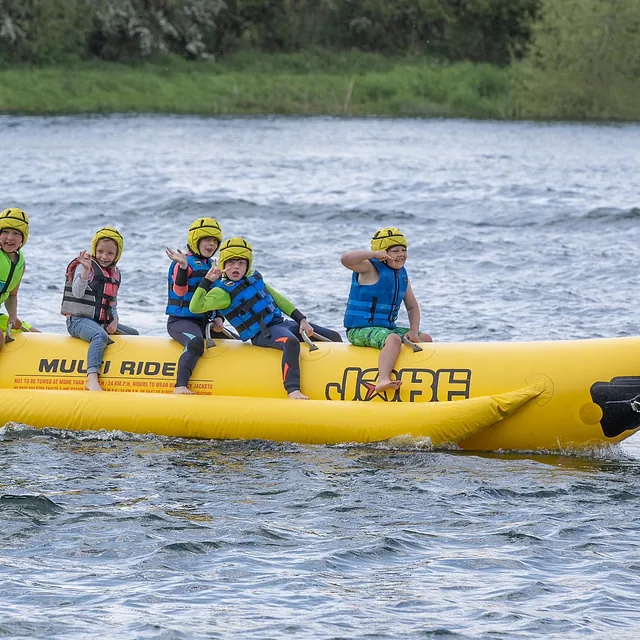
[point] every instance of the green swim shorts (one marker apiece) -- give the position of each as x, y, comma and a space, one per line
372, 336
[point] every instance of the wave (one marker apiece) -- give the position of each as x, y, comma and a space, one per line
611, 214
32, 506
593, 217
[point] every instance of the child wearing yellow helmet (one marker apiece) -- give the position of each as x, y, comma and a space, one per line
90, 300
255, 309
185, 272
379, 285
14, 231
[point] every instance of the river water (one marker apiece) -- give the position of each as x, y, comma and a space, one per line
517, 231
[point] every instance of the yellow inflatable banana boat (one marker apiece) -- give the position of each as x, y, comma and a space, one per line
563, 395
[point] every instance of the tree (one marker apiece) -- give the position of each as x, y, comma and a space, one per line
584, 61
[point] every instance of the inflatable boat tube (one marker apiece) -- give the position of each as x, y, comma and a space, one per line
587, 392
232, 417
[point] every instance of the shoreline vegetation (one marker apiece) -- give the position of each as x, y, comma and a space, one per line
522, 59
354, 84
331, 84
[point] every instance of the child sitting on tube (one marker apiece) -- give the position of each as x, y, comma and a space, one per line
185, 273
379, 285
14, 231
255, 310
90, 299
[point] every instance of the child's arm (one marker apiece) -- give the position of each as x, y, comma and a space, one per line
207, 299
80, 282
112, 327
360, 261
82, 275
11, 305
283, 304
180, 279
413, 311
181, 272
289, 309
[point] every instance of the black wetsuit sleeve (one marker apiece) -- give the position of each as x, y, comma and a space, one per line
297, 316
205, 284
182, 277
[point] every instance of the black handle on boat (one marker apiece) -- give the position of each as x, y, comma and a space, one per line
413, 345
210, 342
319, 338
7, 337
229, 334
305, 337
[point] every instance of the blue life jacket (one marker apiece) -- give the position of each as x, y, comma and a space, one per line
179, 305
252, 307
376, 305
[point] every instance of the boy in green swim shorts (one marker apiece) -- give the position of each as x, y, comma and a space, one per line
379, 285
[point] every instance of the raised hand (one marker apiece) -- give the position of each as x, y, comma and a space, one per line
215, 272
178, 256
383, 256
84, 258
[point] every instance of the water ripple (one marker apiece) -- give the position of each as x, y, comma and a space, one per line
517, 231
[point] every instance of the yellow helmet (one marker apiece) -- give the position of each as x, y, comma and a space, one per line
108, 233
203, 228
17, 220
236, 248
386, 238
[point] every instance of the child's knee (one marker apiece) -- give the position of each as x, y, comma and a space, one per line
393, 340
291, 343
425, 337
101, 338
196, 346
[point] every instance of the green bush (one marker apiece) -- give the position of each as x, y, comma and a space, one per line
50, 31
53, 31
132, 29
584, 62
44, 31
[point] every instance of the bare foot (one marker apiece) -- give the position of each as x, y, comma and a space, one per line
184, 390
92, 383
297, 395
388, 385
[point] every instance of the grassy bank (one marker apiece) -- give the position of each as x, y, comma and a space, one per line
247, 84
